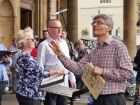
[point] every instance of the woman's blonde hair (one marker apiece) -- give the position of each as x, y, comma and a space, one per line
23, 35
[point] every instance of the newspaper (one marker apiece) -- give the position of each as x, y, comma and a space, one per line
60, 90
93, 83
52, 80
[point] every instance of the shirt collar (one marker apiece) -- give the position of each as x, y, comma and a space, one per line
50, 38
107, 41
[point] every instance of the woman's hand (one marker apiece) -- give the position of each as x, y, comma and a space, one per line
7, 58
60, 72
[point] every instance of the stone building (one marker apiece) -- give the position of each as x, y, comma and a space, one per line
123, 13
18, 14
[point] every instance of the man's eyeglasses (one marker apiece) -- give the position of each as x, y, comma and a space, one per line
57, 28
98, 23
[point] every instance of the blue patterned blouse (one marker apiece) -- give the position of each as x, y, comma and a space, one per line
30, 76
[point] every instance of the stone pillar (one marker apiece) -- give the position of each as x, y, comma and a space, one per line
16, 5
72, 19
130, 26
62, 4
37, 17
53, 8
40, 16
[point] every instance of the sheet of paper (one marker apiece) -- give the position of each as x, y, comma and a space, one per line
60, 90
93, 83
52, 80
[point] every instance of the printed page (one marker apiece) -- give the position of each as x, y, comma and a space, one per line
52, 80
93, 83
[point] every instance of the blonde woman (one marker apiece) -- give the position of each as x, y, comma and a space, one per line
30, 73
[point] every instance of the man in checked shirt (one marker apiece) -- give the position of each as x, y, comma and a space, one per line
110, 59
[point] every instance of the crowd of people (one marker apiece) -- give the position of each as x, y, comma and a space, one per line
54, 54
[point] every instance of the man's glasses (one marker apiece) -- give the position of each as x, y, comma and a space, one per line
57, 28
98, 23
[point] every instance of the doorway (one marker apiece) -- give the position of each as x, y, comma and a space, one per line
26, 18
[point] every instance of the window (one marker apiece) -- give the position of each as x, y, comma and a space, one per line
105, 1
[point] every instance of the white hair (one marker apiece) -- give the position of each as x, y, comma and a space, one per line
23, 35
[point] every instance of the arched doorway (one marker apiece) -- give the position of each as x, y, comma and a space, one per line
6, 22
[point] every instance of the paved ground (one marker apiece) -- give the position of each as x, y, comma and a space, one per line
10, 99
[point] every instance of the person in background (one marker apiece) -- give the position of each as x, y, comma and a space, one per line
49, 61
45, 35
34, 51
5, 62
110, 59
13, 48
137, 94
79, 47
72, 51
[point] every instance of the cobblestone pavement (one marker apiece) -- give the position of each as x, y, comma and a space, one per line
10, 99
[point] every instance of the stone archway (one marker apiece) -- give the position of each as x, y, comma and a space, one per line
6, 22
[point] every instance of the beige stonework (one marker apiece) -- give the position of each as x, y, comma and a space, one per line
72, 19
40, 16
130, 26
6, 21
41, 11
10, 17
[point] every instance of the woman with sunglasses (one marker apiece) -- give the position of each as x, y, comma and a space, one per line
30, 73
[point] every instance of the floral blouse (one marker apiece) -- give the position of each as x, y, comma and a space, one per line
30, 76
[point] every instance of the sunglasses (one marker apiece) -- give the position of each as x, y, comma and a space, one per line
31, 40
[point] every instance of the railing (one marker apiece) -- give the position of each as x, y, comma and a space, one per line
88, 43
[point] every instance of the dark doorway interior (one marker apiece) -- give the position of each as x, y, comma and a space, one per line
26, 18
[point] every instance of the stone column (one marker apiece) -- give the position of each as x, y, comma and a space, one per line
72, 19
53, 8
130, 26
37, 17
40, 16
16, 5
62, 4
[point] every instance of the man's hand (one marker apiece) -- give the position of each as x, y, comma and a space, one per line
56, 48
97, 71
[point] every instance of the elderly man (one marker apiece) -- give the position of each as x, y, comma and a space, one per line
110, 59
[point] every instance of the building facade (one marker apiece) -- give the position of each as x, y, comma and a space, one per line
18, 14
122, 12
87, 10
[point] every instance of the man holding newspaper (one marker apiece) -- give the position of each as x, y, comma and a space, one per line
110, 59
